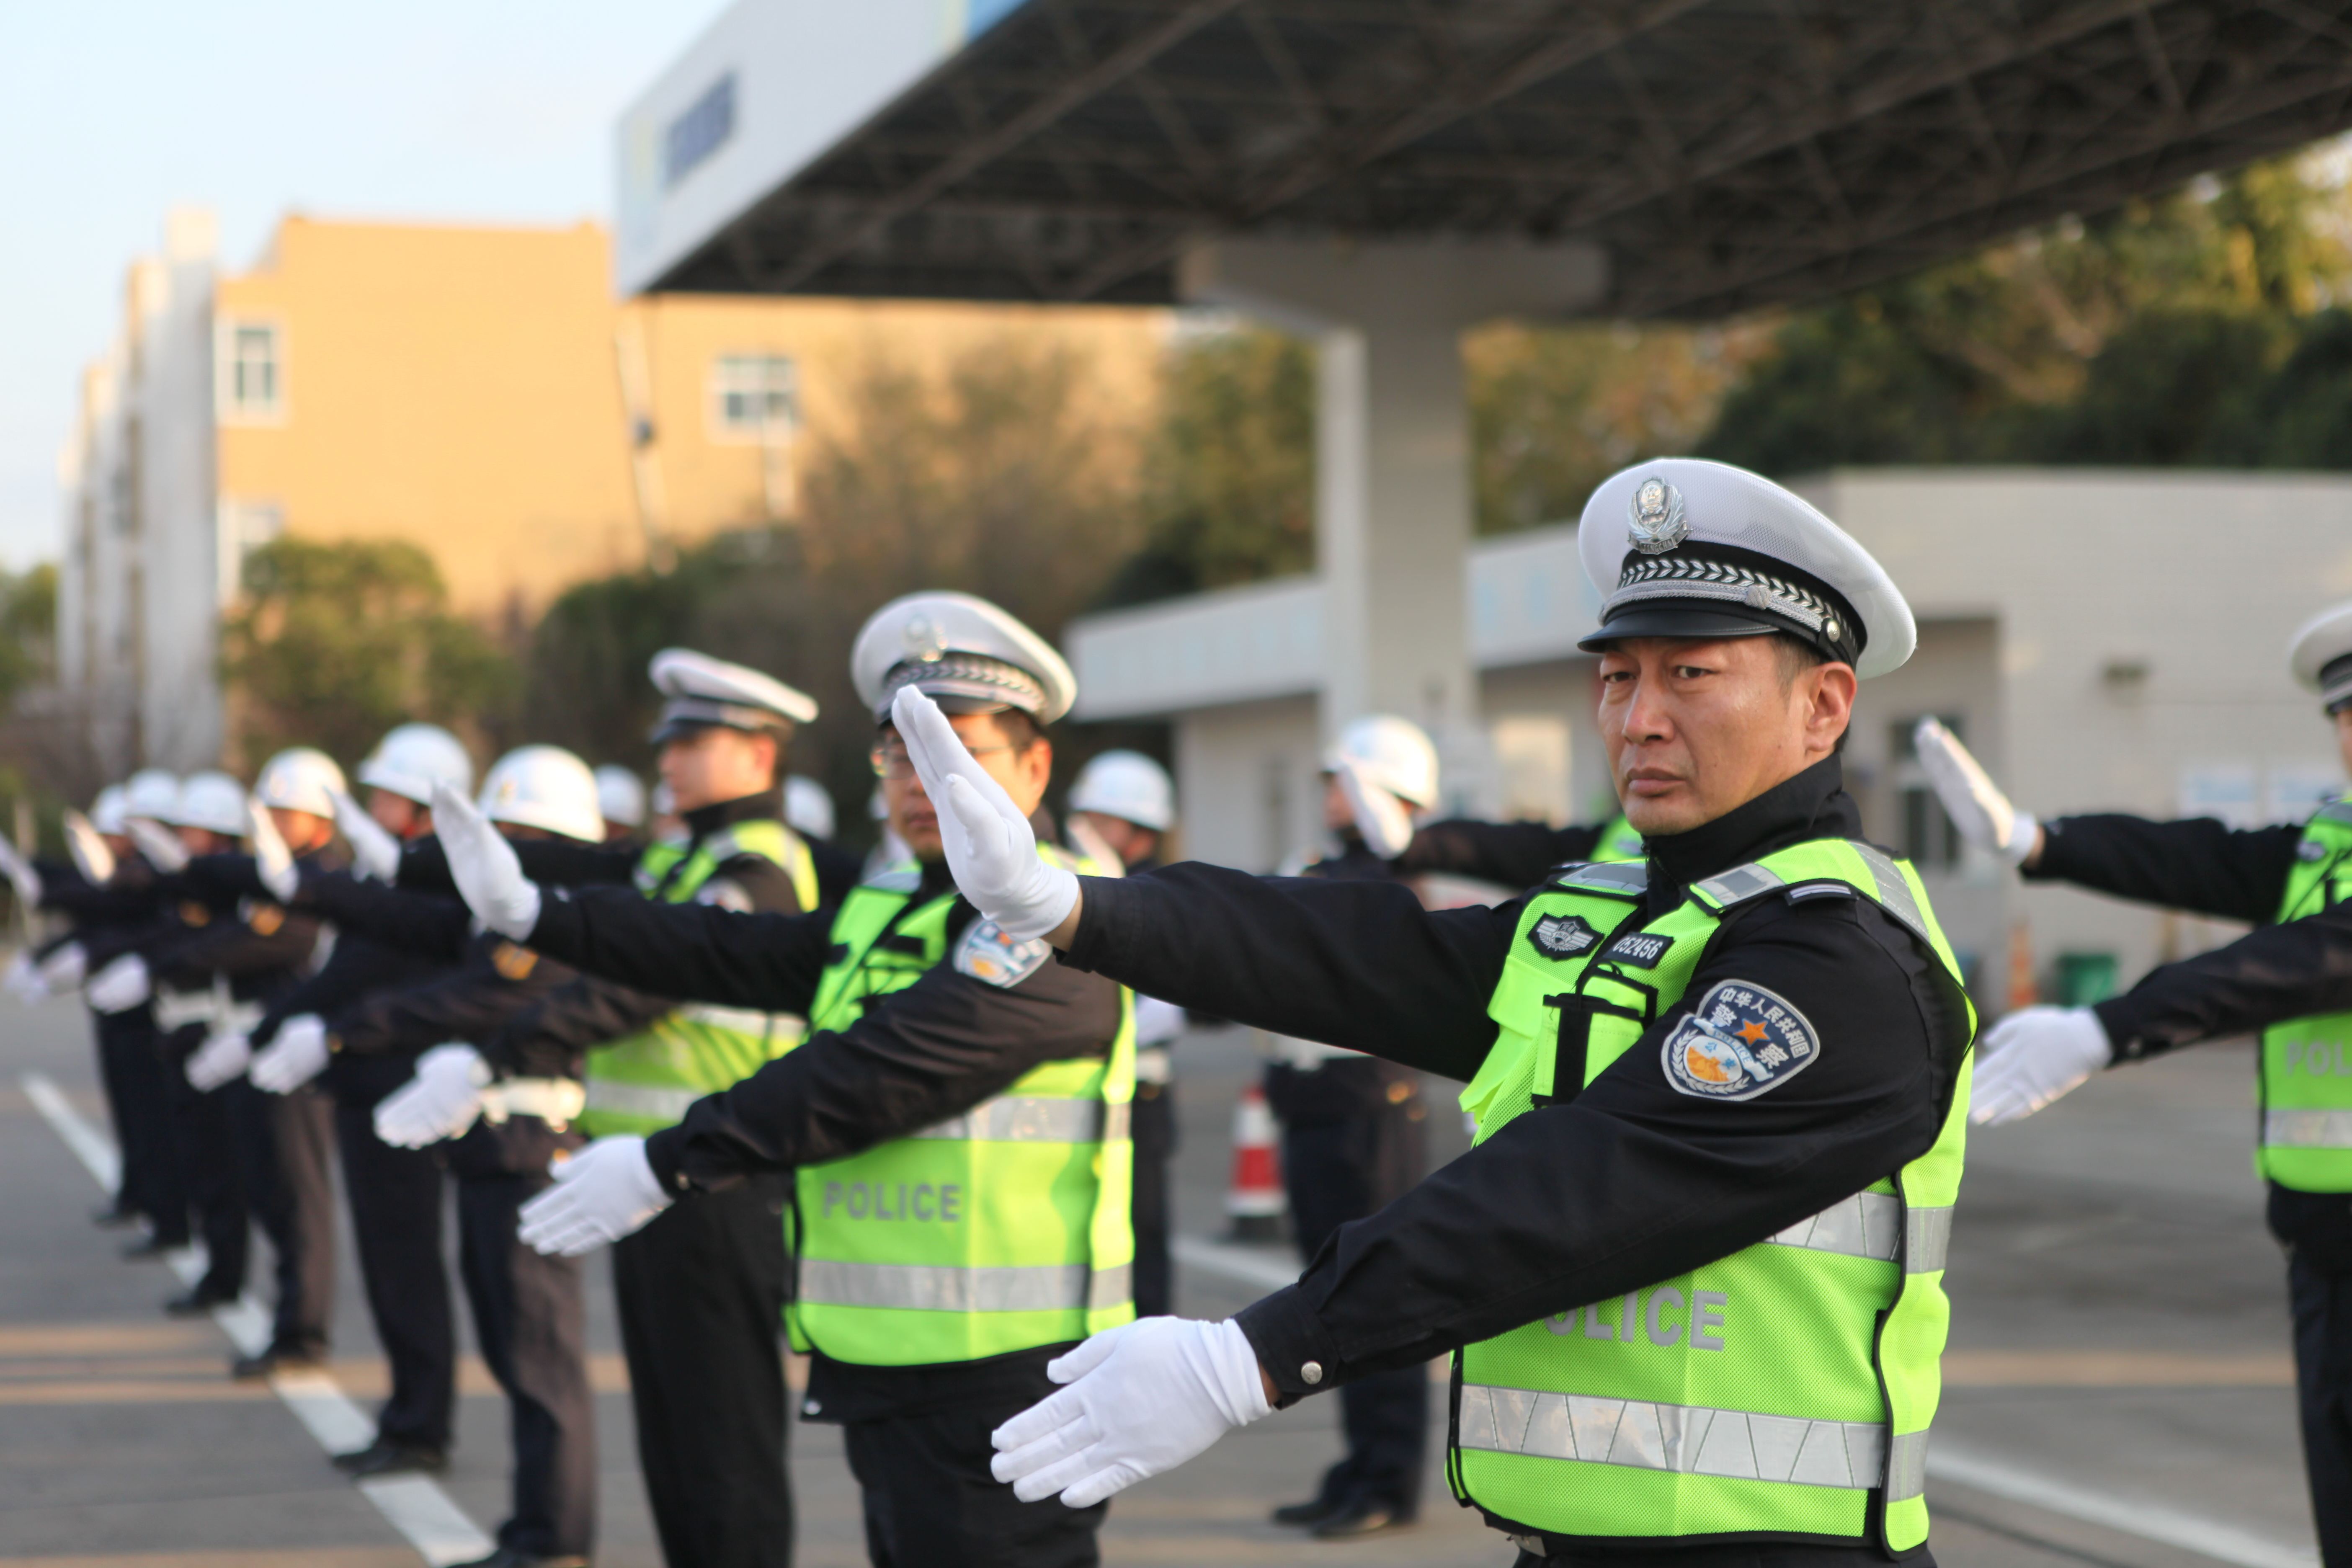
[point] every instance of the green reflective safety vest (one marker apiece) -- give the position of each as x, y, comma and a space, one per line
644, 1082
2307, 1079
1785, 1390
1618, 842
1001, 1229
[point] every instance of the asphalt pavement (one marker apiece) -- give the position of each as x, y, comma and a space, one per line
2117, 1391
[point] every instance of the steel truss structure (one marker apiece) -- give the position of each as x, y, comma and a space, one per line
1729, 153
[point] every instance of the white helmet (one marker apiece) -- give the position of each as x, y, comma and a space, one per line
663, 802
620, 796
410, 759
106, 813
300, 779
1129, 786
211, 799
808, 807
1393, 754
152, 793
544, 786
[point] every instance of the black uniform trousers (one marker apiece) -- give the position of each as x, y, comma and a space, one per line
700, 1293
2321, 1300
140, 1097
204, 1137
531, 1319
395, 1198
287, 1142
1354, 1139
1152, 1126
930, 1501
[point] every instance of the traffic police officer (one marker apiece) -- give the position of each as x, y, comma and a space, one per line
1692, 1270
2288, 982
957, 1121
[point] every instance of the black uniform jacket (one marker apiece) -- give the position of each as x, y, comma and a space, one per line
913, 1059
1513, 854
1629, 1182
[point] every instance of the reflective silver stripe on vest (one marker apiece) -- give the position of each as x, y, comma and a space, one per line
744, 1020
1894, 892
2303, 1129
1739, 883
2334, 811
1623, 877
1014, 1119
1906, 1466
1867, 1225
945, 1288
640, 1100
1691, 1439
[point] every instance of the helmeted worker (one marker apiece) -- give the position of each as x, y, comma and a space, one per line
1692, 1268
621, 797
2289, 982
956, 1120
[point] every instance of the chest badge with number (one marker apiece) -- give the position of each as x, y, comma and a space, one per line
1739, 1042
1562, 936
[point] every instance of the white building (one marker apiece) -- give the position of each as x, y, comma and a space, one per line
2104, 639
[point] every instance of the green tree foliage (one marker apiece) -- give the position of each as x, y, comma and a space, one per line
335, 643
28, 630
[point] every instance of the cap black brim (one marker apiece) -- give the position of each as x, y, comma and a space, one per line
1680, 621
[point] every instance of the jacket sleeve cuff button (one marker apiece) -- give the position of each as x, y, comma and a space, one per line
1310, 1373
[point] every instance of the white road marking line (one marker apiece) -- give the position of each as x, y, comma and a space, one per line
425, 1516
1247, 1265
2147, 1521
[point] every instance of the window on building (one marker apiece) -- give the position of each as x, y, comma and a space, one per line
241, 527
754, 398
701, 131
1924, 834
252, 370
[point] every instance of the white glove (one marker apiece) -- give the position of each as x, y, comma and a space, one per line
159, 844
24, 980
375, 852
1973, 802
121, 985
220, 1057
2032, 1057
63, 970
296, 1056
1384, 822
483, 865
1143, 1398
992, 850
601, 1194
21, 876
271, 856
87, 846
441, 1101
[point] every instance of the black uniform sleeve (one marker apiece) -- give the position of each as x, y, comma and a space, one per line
66, 891
1354, 963
273, 939
425, 866
749, 882
430, 925
1632, 1182
472, 1004
766, 960
2289, 971
2195, 864
358, 968
837, 871
922, 1055
1514, 854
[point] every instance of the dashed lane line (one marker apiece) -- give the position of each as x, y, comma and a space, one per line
426, 1516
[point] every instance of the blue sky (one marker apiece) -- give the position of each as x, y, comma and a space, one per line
115, 112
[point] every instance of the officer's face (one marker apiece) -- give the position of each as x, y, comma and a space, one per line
1696, 729
712, 764
399, 816
1130, 841
302, 831
1023, 769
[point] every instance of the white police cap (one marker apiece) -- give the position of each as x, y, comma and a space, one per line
2321, 656
965, 654
704, 691
1680, 547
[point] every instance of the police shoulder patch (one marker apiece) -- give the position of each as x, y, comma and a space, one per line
513, 962
1739, 1041
1562, 936
990, 956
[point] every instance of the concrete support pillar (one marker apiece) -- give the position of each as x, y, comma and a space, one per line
1392, 501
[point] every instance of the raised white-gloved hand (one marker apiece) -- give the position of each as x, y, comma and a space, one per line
1382, 821
441, 1101
271, 858
87, 846
374, 851
296, 1056
121, 985
992, 850
21, 876
63, 970
483, 865
1141, 1399
2032, 1057
24, 980
601, 1194
1974, 803
159, 844
220, 1057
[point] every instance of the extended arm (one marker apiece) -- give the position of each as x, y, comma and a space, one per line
1514, 854
765, 959
430, 925
2196, 864
2281, 972
470, 1003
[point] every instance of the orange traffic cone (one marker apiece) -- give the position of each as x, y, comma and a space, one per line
1255, 1200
